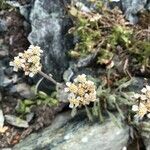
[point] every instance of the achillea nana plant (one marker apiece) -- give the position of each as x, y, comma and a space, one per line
81, 92
30, 62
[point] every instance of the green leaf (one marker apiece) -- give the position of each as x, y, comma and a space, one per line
114, 119
28, 102
27, 110
21, 107
120, 111
95, 109
42, 95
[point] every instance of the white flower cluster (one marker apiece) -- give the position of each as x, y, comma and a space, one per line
29, 61
95, 17
81, 91
143, 103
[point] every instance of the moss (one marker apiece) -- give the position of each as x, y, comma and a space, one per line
41, 98
114, 30
4, 5
105, 56
141, 49
120, 36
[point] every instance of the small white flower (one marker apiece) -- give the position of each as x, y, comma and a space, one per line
66, 89
86, 95
124, 148
142, 110
11, 63
15, 69
75, 80
136, 95
31, 47
90, 82
68, 84
111, 65
143, 97
71, 105
144, 90
96, 17
148, 87
20, 54
148, 115
81, 78
31, 74
71, 96
26, 73
135, 108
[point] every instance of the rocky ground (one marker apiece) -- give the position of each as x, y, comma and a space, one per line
21, 25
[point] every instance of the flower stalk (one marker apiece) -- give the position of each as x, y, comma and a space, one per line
100, 113
89, 115
48, 77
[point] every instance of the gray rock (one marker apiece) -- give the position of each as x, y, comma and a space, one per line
137, 84
24, 9
132, 7
16, 121
49, 31
6, 80
2, 76
29, 117
23, 90
68, 74
77, 134
3, 26
148, 6
3, 53
1, 119
84, 5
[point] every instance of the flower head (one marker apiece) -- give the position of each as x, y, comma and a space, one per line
95, 17
142, 107
81, 91
29, 61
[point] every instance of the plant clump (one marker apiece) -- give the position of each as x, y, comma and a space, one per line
93, 27
4, 5
40, 99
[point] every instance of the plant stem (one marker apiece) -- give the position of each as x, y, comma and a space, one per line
73, 112
99, 112
37, 85
48, 77
89, 113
